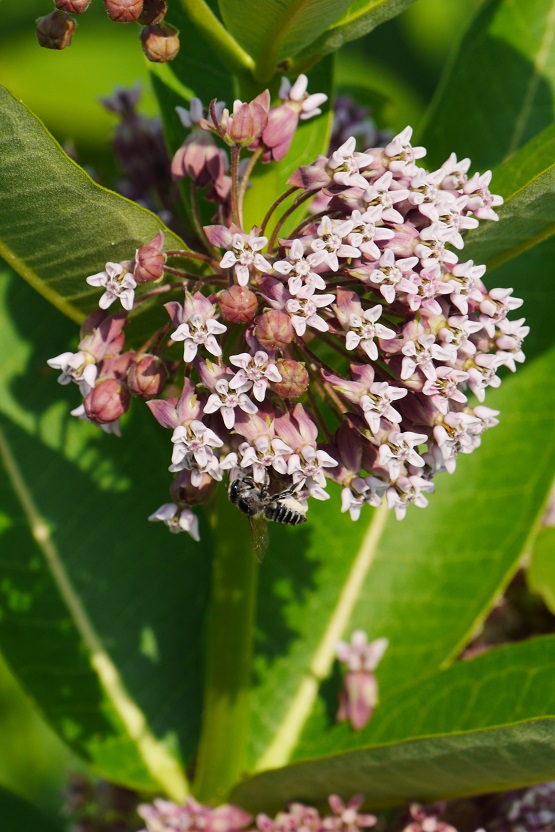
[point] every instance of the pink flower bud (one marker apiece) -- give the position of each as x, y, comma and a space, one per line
358, 698
238, 304
124, 11
184, 492
72, 6
294, 379
55, 30
247, 122
150, 260
147, 376
107, 401
273, 329
153, 12
160, 42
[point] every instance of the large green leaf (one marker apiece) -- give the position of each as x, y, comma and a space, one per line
56, 225
100, 611
498, 90
361, 17
281, 30
527, 183
480, 726
424, 583
541, 570
18, 814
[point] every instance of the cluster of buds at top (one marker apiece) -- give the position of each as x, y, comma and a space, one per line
165, 816
345, 351
160, 41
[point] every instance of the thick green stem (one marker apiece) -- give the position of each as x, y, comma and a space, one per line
227, 48
230, 625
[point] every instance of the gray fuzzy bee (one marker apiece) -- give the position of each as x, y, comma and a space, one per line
254, 500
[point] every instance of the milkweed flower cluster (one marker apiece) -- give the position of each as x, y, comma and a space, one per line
165, 816
344, 350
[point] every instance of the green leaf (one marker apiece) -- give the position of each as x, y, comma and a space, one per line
18, 814
425, 583
283, 29
361, 18
99, 610
527, 184
57, 225
498, 89
541, 570
482, 725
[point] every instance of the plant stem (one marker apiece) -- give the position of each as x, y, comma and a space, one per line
246, 176
235, 209
230, 625
224, 45
298, 201
274, 205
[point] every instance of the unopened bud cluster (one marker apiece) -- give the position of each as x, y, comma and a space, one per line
344, 352
159, 40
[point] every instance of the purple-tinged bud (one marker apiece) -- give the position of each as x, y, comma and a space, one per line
357, 699
238, 304
246, 123
404, 241
273, 329
55, 30
107, 401
150, 260
160, 42
294, 379
72, 6
124, 11
147, 376
184, 492
153, 12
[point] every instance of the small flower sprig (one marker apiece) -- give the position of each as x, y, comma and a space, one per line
345, 351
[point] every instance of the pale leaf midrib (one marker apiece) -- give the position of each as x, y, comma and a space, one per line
161, 765
287, 735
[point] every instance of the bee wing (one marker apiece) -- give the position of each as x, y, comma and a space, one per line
260, 537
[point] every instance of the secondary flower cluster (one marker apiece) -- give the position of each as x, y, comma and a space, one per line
345, 349
165, 816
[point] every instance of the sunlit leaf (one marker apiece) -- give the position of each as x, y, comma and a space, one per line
527, 183
57, 226
498, 89
482, 725
423, 583
100, 610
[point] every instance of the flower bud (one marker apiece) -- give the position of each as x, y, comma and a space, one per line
72, 6
107, 401
160, 42
147, 376
184, 492
150, 260
55, 30
238, 304
294, 379
153, 12
273, 329
124, 11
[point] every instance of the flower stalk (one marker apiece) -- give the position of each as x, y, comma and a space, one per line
228, 651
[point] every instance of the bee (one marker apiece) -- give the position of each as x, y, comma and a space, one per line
254, 500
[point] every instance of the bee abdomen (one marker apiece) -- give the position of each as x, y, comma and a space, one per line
280, 513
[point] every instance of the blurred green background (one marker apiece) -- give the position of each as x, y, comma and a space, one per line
397, 67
